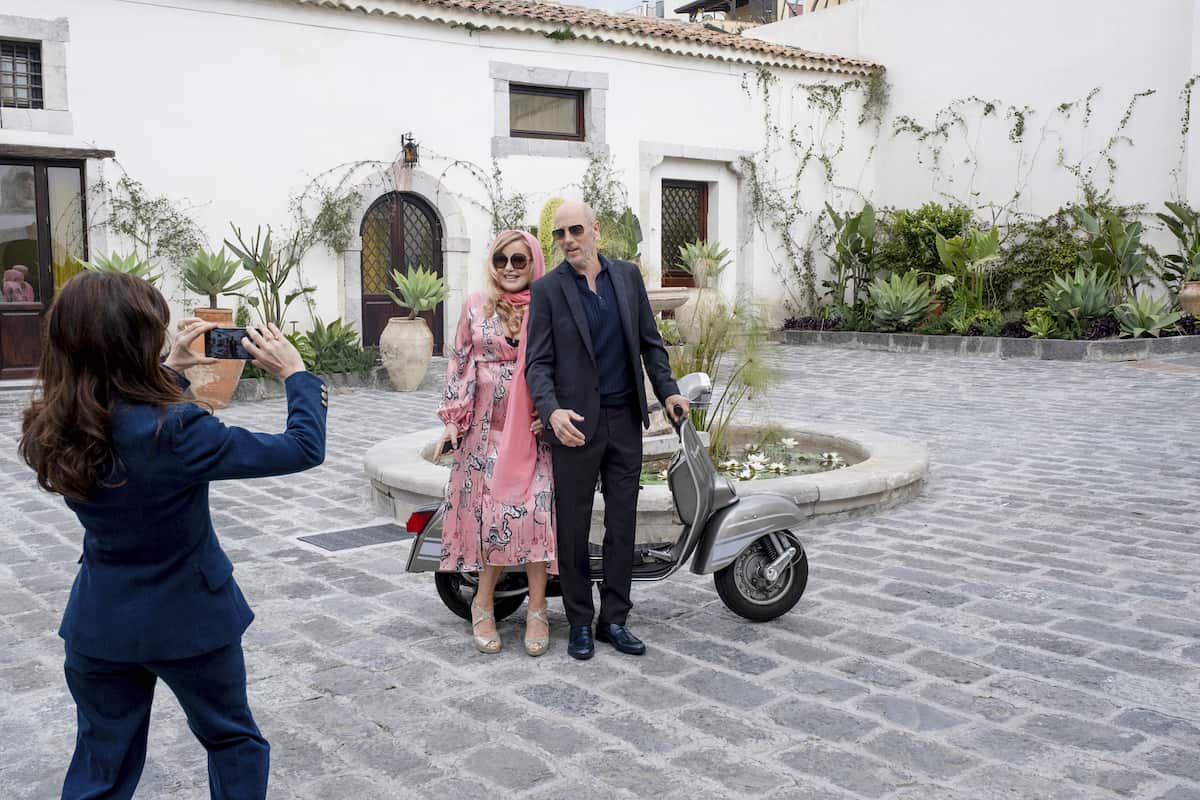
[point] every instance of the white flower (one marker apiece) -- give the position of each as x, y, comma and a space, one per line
788, 443
746, 474
662, 476
757, 460
731, 463
777, 467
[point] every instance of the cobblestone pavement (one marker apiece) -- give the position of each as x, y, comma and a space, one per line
1028, 628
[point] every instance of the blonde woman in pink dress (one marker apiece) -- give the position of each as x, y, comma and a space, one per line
499, 500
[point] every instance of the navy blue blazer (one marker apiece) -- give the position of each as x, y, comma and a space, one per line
154, 584
560, 364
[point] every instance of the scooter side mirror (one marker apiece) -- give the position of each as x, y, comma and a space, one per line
697, 388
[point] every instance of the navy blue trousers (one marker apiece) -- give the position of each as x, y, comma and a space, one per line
113, 701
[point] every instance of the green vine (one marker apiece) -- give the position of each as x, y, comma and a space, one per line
564, 34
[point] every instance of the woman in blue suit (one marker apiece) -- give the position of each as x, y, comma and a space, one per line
154, 597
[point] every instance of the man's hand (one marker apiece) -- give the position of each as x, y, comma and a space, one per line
677, 400
562, 423
536, 427
181, 356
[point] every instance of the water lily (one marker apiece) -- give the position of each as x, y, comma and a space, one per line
662, 476
830, 459
730, 464
746, 474
777, 467
788, 443
757, 460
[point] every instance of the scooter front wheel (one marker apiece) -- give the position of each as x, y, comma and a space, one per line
745, 589
457, 592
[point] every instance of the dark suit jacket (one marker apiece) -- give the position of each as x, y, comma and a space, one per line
560, 366
154, 584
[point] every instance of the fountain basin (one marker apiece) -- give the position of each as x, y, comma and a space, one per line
886, 470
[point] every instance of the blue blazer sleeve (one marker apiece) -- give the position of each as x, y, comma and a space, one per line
209, 450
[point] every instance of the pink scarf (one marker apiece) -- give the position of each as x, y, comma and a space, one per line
516, 457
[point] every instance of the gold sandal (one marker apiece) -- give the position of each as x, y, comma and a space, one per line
536, 647
482, 643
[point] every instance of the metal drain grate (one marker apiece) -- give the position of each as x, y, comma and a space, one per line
358, 537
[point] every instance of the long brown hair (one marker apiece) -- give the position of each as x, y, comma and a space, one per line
510, 315
104, 335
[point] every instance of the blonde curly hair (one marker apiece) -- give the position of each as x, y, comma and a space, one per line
510, 315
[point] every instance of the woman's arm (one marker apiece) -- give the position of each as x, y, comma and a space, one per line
212, 451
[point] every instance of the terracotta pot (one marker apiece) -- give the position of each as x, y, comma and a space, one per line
406, 348
214, 383
1189, 298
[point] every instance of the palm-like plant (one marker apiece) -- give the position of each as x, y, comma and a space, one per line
210, 274
1183, 266
418, 290
130, 265
853, 257
271, 270
1116, 248
704, 261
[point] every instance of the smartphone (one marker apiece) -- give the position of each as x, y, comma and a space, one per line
225, 343
448, 448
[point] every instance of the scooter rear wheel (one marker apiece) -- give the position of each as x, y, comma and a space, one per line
747, 593
457, 592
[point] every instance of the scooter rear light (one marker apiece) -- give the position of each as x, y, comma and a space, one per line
417, 521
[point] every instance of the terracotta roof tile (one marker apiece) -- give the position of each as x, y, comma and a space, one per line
589, 23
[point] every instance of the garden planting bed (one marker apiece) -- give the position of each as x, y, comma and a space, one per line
999, 346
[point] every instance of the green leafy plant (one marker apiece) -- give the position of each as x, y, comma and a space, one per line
1033, 252
1145, 315
419, 290
334, 348
209, 274
908, 236
900, 301
728, 347
853, 256
620, 236
966, 257
161, 230
704, 261
983, 322
131, 264
545, 234
1075, 301
1184, 265
1039, 321
271, 270
1115, 247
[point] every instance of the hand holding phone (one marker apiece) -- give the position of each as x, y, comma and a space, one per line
451, 438
226, 343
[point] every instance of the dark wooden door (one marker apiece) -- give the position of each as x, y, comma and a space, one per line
399, 231
43, 241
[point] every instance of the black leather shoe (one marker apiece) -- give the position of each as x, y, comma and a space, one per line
579, 642
620, 637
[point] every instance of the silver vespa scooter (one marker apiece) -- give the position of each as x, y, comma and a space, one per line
746, 543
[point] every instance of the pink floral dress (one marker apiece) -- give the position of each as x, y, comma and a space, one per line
477, 529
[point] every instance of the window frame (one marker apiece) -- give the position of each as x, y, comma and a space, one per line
673, 276
532, 90
37, 80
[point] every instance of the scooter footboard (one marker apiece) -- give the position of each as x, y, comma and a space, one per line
731, 530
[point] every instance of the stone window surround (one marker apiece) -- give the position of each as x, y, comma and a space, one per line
595, 86
52, 35
651, 157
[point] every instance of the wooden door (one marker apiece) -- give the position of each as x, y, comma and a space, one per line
399, 231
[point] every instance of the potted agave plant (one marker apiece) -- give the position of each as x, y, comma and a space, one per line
130, 265
406, 344
208, 275
704, 261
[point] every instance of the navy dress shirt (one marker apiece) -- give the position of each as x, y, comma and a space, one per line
608, 340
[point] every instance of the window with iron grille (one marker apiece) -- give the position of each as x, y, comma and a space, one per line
20, 74
542, 112
684, 220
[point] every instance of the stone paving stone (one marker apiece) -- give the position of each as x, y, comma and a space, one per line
1051, 560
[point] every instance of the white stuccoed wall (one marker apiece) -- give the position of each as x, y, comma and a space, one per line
1024, 52
233, 104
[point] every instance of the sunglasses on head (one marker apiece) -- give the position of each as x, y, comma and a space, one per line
559, 233
518, 260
